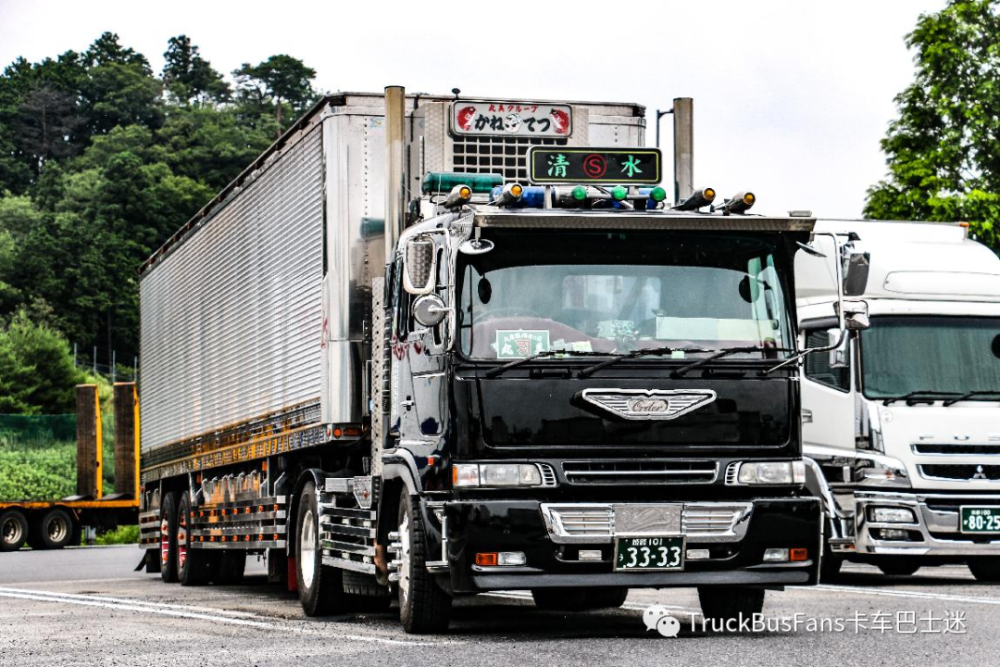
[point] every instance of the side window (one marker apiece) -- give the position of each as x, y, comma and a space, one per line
818, 364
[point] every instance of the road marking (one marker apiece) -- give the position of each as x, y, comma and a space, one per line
900, 594
126, 601
178, 611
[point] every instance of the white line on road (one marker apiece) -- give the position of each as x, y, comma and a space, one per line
900, 594
178, 611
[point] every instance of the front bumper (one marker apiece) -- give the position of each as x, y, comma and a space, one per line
733, 536
936, 531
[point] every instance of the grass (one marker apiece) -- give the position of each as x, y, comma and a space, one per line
37, 465
120, 535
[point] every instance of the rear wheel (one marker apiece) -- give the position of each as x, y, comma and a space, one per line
194, 566
900, 566
168, 537
730, 602
13, 530
985, 569
53, 531
423, 606
321, 589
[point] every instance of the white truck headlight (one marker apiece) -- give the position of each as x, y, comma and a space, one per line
495, 474
772, 472
892, 515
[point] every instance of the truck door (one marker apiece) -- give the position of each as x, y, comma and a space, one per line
827, 395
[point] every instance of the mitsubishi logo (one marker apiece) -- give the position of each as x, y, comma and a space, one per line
647, 403
980, 474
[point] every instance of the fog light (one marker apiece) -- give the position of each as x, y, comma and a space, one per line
511, 558
590, 554
698, 554
776, 556
798, 555
893, 534
892, 515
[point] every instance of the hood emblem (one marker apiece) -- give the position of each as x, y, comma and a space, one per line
980, 473
648, 403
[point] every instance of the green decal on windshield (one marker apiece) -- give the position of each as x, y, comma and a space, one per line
521, 343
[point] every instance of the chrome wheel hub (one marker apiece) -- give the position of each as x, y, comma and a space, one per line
307, 549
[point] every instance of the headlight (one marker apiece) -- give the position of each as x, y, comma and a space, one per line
892, 515
772, 472
495, 474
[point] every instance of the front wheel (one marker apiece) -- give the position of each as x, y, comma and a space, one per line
423, 606
730, 602
985, 569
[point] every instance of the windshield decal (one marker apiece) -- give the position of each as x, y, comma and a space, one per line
521, 343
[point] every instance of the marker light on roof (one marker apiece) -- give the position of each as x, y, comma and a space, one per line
509, 195
740, 203
459, 196
619, 193
657, 194
696, 200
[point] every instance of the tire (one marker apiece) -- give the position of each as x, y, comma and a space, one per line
423, 606
985, 569
230, 568
13, 530
730, 602
168, 537
54, 530
194, 566
899, 566
365, 593
829, 566
321, 589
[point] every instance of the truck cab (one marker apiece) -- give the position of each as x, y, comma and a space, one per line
901, 418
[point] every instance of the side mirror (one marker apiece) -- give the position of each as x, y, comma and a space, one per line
429, 310
856, 265
839, 354
419, 266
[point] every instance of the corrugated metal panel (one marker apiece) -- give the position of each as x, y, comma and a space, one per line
232, 318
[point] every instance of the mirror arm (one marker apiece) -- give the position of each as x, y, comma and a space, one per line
793, 359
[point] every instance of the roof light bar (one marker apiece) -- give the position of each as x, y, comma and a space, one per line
436, 182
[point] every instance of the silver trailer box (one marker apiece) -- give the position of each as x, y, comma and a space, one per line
254, 315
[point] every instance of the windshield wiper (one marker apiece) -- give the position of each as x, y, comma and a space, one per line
643, 352
913, 397
718, 355
493, 372
964, 397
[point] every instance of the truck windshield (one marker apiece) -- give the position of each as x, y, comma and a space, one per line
939, 356
617, 292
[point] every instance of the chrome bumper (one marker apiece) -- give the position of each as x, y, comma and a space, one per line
937, 525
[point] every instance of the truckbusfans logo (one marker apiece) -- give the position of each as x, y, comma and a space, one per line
648, 403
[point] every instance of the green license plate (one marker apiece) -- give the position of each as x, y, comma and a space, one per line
980, 519
649, 553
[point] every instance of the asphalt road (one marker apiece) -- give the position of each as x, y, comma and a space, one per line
87, 607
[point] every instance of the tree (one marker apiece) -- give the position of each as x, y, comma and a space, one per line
46, 369
943, 151
190, 78
277, 82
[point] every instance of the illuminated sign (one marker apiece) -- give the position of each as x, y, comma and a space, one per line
559, 165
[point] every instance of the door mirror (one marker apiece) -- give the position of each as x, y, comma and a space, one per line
429, 310
419, 266
838, 355
856, 265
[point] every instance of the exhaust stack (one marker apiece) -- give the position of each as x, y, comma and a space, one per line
395, 186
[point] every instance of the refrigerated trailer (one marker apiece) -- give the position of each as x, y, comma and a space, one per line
902, 419
385, 361
57, 523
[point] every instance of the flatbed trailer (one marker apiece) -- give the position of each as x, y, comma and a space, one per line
54, 524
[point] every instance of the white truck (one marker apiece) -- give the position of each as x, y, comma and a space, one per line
901, 420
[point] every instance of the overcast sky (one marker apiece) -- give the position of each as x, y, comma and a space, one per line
791, 98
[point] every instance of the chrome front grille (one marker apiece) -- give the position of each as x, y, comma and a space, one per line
632, 472
960, 472
571, 523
